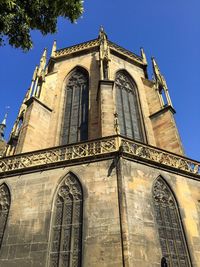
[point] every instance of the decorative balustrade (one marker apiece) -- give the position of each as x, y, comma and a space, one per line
159, 156
58, 154
77, 48
98, 148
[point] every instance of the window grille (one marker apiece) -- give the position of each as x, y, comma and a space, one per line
171, 234
4, 209
127, 107
66, 239
75, 119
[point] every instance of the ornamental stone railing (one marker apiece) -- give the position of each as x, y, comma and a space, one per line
99, 148
160, 157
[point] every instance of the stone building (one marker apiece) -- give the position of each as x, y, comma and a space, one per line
94, 173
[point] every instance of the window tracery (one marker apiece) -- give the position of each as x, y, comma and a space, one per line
171, 235
127, 107
75, 119
66, 241
4, 209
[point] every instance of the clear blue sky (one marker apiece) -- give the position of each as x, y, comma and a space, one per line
168, 30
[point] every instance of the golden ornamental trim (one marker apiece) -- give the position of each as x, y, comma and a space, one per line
99, 148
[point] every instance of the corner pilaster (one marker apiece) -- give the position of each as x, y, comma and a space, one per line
106, 107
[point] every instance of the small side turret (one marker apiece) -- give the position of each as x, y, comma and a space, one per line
53, 51
3, 127
2, 135
161, 85
143, 56
38, 76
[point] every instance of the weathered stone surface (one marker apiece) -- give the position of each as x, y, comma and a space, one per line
119, 226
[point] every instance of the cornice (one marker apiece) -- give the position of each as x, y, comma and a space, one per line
163, 110
32, 99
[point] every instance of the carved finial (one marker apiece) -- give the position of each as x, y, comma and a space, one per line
102, 34
160, 83
143, 55
156, 69
43, 60
53, 49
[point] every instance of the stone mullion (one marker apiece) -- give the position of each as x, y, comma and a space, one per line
77, 227
123, 113
56, 237
72, 236
79, 113
174, 237
179, 229
61, 237
163, 225
119, 109
138, 117
70, 115
131, 118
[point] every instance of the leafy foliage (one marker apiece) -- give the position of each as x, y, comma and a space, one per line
18, 17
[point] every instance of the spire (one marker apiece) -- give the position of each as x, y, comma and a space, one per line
156, 71
4, 120
43, 60
161, 84
3, 125
53, 49
143, 55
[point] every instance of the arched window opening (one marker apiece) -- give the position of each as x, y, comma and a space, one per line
66, 233
75, 119
171, 234
127, 107
4, 209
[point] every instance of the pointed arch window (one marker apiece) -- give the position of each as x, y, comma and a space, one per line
4, 209
171, 234
75, 119
127, 107
66, 234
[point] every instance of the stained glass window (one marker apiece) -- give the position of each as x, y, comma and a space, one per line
171, 234
66, 239
75, 119
127, 107
4, 209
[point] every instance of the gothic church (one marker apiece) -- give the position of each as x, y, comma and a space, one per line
94, 173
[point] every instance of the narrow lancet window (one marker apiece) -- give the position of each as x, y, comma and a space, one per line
127, 107
171, 234
66, 239
75, 119
4, 209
